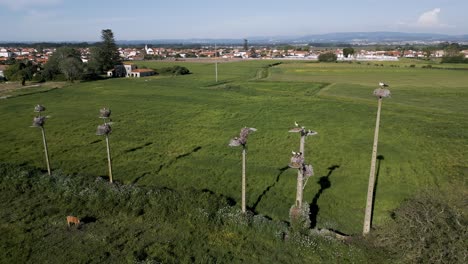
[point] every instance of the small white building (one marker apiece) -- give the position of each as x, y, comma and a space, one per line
129, 70
5, 53
149, 51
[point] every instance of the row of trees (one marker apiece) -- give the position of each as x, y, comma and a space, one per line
66, 64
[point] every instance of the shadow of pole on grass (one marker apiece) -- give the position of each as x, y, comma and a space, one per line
260, 197
379, 158
325, 183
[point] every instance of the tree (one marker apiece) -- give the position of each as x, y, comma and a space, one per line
427, 228
453, 54
72, 68
348, 51
65, 60
253, 53
327, 57
453, 49
105, 55
20, 71
427, 51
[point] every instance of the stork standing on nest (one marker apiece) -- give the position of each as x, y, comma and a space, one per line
383, 85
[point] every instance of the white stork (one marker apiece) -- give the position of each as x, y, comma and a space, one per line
381, 84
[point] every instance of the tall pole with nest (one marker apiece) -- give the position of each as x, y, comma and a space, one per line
379, 93
297, 162
39, 121
106, 129
216, 63
242, 141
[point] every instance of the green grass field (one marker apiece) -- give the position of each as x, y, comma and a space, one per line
173, 132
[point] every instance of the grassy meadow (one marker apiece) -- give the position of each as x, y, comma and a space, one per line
172, 132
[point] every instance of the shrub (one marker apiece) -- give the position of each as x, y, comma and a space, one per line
175, 70
327, 57
426, 229
38, 78
454, 59
299, 217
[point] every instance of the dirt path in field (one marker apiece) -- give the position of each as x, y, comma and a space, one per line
325, 88
9, 89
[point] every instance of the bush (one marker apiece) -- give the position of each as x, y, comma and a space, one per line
175, 70
38, 78
426, 229
299, 217
327, 57
454, 59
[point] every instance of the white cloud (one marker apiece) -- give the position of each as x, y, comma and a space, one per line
429, 18
20, 4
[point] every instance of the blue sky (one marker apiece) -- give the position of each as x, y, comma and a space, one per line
83, 20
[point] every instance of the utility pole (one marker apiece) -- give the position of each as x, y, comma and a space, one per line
39, 121
297, 161
380, 93
216, 63
106, 129
242, 141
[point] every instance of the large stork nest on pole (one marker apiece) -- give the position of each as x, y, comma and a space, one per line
104, 129
38, 121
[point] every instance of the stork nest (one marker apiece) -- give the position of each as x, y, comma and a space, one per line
308, 171
38, 121
39, 108
104, 129
382, 92
242, 139
104, 113
297, 161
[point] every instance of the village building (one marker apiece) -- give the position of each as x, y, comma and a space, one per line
5, 53
129, 70
2, 68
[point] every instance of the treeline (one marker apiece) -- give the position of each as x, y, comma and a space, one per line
65, 63
42, 45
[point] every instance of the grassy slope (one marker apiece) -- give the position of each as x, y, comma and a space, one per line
173, 131
130, 224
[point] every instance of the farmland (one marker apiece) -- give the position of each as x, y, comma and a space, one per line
172, 132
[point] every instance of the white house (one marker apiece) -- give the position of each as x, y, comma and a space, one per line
5, 53
2, 68
465, 52
129, 70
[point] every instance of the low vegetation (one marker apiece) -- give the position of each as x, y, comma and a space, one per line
129, 224
177, 192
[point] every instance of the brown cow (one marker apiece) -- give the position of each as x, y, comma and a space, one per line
73, 219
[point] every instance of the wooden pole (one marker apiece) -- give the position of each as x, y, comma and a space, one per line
370, 189
243, 179
300, 176
45, 150
109, 158
216, 64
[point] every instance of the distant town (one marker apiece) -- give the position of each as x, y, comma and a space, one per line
39, 54
303, 52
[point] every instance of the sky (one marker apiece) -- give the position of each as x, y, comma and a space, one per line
83, 20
